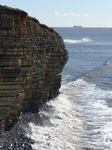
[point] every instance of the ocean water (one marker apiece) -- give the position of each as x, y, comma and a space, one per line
80, 118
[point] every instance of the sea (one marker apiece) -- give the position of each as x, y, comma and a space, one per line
80, 118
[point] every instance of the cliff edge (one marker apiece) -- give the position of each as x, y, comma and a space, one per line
32, 57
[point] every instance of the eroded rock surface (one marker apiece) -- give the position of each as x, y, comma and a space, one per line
32, 57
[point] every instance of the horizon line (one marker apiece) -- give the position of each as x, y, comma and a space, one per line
80, 28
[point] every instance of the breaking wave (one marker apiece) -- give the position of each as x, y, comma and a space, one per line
57, 132
83, 40
109, 62
78, 118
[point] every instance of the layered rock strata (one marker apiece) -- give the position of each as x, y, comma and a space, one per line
32, 57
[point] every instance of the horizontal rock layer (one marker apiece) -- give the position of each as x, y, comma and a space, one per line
32, 57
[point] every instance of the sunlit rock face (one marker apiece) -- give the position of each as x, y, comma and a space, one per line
32, 57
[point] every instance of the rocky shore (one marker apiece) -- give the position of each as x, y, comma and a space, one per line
16, 137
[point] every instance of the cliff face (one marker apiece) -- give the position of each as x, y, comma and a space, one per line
32, 57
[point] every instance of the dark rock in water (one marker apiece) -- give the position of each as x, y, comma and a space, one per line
32, 57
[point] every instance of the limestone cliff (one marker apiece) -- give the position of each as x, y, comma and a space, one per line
32, 57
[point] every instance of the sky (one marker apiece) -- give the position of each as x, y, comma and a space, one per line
67, 13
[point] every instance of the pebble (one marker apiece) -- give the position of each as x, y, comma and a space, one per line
15, 138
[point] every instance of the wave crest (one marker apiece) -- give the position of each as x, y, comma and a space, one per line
83, 40
109, 62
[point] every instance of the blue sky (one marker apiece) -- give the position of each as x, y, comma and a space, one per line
66, 13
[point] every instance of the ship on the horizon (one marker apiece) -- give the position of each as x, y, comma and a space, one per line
77, 26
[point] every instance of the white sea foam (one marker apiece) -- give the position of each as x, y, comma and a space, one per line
80, 119
60, 135
83, 40
96, 113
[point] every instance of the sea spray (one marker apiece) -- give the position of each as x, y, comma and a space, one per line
58, 130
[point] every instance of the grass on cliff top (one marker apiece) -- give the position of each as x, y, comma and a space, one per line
12, 9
